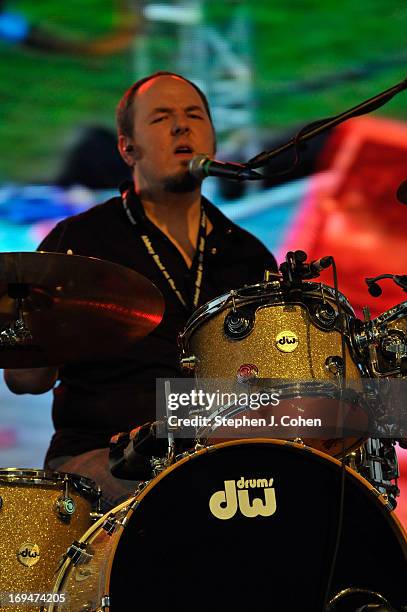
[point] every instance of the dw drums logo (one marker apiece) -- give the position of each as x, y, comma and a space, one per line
224, 504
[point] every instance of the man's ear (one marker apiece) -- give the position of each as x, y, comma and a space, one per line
128, 150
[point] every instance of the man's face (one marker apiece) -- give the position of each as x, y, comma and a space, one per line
171, 126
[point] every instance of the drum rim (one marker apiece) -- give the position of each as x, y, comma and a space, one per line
37, 476
218, 304
393, 314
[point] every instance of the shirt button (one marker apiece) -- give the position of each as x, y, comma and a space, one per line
229, 230
214, 250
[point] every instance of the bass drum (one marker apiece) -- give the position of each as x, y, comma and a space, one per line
243, 523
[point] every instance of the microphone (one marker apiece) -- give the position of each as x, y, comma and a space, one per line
318, 265
374, 289
401, 193
313, 269
202, 166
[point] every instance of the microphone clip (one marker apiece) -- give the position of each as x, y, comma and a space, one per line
295, 269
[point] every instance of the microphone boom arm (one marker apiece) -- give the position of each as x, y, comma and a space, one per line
325, 124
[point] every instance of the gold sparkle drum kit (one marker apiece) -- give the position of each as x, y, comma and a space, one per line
295, 524
41, 512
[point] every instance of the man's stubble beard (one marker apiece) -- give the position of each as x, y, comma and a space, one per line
183, 182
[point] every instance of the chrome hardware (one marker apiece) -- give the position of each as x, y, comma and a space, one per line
326, 315
233, 295
394, 346
366, 314
385, 348
97, 513
334, 365
377, 461
188, 363
355, 591
238, 326
104, 603
65, 505
351, 460
158, 465
109, 525
78, 553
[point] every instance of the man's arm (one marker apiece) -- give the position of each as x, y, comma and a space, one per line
31, 380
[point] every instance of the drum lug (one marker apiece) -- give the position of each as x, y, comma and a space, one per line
334, 365
238, 324
188, 364
326, 315
66, 507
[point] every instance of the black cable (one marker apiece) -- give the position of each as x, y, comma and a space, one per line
343, 465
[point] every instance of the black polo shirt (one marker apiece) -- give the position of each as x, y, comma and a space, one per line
93, 401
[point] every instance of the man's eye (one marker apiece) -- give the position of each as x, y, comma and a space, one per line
194, 116
158, 119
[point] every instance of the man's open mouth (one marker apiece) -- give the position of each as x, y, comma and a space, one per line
183, 150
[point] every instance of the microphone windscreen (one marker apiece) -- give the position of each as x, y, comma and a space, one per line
401, 193
375, 290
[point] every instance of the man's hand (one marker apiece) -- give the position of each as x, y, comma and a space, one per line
31, 380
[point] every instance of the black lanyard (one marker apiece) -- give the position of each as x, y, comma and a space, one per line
197, 263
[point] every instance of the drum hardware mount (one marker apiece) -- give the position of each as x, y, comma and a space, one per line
374, 364
373, 335
188, 364
97, 513
104, 604
65, 505
295, 269
325, 315
17, 332
238, 324
110, 524
158, 465
334, 364
378, 464
78, 552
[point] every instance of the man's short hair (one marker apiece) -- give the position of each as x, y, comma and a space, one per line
125, 110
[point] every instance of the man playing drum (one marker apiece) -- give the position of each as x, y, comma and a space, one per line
163, 121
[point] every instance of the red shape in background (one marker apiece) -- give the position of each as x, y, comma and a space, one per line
355, 215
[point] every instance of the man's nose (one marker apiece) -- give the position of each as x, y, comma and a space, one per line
180, 126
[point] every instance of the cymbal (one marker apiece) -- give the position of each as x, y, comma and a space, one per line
75, 309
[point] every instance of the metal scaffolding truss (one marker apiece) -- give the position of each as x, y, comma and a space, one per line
179, 36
